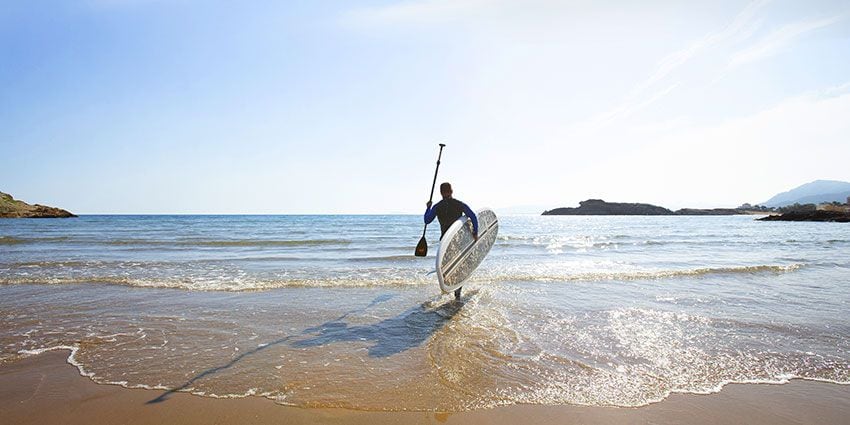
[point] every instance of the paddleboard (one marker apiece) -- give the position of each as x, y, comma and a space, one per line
460, 254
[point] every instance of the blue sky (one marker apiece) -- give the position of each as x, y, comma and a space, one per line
184, 106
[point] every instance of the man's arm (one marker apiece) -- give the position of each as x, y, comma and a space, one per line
430, 213
471, 215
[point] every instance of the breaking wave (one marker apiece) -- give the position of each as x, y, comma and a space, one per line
138, 275
233, 243
9, 240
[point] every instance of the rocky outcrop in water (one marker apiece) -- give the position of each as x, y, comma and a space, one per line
600, 207
832, 216
13, 208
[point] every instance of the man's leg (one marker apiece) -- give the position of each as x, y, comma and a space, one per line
457, 293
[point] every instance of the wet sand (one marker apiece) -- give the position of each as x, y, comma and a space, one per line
45, 389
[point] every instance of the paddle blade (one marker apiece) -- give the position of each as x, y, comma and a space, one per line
421, 248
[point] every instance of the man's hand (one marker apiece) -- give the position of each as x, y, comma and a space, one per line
428, 204
475, 236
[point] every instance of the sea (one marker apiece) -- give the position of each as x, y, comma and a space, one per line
336, 311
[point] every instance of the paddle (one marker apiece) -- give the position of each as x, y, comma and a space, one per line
422, 246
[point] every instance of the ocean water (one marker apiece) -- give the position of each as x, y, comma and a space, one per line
336, 311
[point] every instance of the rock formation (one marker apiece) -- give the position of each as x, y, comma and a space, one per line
12, 208
600, 207
819, 215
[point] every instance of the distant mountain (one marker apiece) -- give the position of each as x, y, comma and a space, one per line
815, 192
828, 197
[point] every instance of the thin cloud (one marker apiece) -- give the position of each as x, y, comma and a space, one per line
835, 91
626, 109
743, 25
775, 41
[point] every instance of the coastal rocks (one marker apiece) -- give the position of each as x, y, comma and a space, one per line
818, 215
600, 207
13, 208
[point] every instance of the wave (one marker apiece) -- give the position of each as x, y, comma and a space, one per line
614, 242
232, 243
407, 257
711, 271
72, 356
640, 275
234, 260
238, 281
582, 245
53, 264
11, 240
212, 285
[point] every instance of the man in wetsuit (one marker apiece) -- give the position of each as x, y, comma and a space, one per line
447, 212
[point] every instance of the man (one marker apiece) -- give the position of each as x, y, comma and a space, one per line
447, 212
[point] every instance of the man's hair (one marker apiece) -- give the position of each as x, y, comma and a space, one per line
445, 187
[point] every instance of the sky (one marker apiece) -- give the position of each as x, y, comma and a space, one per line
290, 107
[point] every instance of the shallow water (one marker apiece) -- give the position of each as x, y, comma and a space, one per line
336, 311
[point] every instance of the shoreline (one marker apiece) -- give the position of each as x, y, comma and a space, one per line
46, 388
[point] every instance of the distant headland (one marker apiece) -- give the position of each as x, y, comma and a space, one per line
820, 200
13, 208
600, 207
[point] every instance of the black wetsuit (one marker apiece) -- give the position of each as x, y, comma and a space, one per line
447, 212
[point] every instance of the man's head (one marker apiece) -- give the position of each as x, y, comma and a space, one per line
446, 190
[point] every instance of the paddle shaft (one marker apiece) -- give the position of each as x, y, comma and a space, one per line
434, 183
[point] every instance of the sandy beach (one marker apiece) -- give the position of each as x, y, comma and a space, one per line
45, 389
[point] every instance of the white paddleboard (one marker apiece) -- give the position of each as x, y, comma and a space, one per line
460, 254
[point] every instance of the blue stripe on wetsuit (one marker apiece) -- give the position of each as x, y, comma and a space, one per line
431, 213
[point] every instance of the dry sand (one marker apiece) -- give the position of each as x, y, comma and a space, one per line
45, 389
